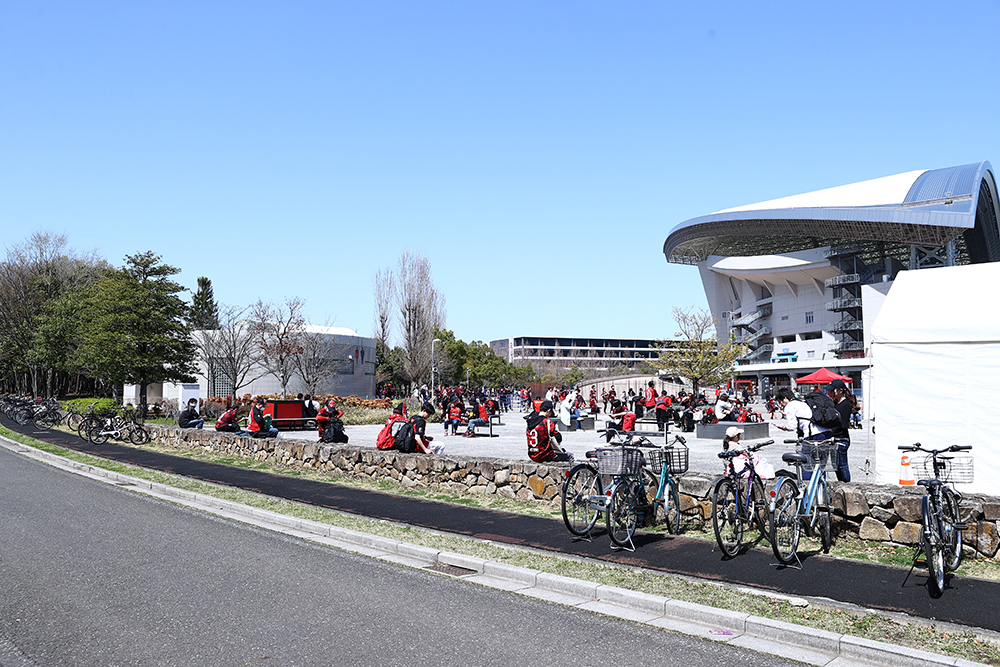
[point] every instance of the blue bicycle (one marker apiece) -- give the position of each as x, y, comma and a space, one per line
794, 507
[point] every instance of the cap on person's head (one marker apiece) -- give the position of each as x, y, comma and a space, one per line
732, 432
836, 384
427, 407
545, 406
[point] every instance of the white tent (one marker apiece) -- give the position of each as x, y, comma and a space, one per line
935, 362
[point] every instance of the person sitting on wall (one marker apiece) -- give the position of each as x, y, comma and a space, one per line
544, 438
259, 424
188, 418
327, 412
229, 421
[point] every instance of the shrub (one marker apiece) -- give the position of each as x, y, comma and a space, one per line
83, 404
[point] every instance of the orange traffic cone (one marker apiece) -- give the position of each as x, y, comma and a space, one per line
905, 473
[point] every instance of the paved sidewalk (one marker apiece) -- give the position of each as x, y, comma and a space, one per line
510, 443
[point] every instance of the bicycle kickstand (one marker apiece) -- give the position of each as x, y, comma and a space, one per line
913, 563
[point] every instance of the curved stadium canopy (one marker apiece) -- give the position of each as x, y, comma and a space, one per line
884, 217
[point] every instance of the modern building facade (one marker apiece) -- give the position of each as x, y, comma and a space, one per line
599, 354
799, 279
348, 363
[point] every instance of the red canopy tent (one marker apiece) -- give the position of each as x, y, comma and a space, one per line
822, 376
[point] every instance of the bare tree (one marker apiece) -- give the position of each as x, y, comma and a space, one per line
321, 356
385, 293
232, 350
279, 330
421, 310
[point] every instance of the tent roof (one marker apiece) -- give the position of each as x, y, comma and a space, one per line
952, 304
822, 376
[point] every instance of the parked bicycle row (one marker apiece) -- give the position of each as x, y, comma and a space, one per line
96, 426
633, 483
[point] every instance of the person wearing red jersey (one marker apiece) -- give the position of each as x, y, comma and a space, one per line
626, 419
229, 421
662, 405
482, 418
325, 413
649, 396
454, 416
544, 439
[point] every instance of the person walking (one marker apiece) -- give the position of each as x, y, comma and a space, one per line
843, 399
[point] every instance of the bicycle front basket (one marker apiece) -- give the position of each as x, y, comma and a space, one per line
825, 454
619, 461
953, 469
677, 459
655, 458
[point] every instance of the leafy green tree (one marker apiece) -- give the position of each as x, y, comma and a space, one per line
697, 354
573, 376
135, 330
204, 312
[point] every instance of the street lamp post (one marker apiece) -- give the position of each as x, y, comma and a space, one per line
433, 393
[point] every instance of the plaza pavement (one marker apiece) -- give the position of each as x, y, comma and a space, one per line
510, 443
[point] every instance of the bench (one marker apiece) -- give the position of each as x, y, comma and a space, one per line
495, 419
751, 431
586, 424
485, 427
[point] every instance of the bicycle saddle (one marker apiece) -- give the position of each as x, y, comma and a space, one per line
929, 482
792, 457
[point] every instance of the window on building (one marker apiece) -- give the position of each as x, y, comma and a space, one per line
809, 317
810, 354
784, 317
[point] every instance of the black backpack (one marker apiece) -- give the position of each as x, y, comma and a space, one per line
334, 431
406, 439
824, 412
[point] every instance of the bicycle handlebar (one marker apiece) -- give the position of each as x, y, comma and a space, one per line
917, 447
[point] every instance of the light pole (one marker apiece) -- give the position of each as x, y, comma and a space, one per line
433, 393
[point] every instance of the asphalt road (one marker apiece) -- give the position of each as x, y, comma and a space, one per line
97, 575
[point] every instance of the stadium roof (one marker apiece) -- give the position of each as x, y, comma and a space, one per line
884, 216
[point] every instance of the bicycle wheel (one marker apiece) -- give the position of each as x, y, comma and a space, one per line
45, 420
726, 517
652, 513
824, 523
622, 515
582, 483
73, 421
138, 435
952, 535
759, 508
933, 547
671, 508
97, 434
785, 524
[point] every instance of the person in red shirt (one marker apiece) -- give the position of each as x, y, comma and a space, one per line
482, 419
626, 419
650, 396
229, 421
325, 413
454, 416
544, 438
662, 411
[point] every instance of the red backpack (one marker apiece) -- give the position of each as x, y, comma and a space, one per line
387, 436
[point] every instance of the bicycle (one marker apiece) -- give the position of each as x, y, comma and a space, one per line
940, 514
590, 485
666, 462
739, 501
794, 506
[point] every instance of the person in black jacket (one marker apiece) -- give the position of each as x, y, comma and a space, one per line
842, 400
188, 418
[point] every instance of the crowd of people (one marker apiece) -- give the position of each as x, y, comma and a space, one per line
463, 410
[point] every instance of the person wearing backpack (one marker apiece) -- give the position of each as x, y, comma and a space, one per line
413, 437
387, 436
802, 419
842, 400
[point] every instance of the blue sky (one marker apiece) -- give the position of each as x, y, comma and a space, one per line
538, 153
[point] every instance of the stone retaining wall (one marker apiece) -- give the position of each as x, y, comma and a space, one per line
881, 513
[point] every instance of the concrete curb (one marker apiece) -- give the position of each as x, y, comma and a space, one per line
788, 640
